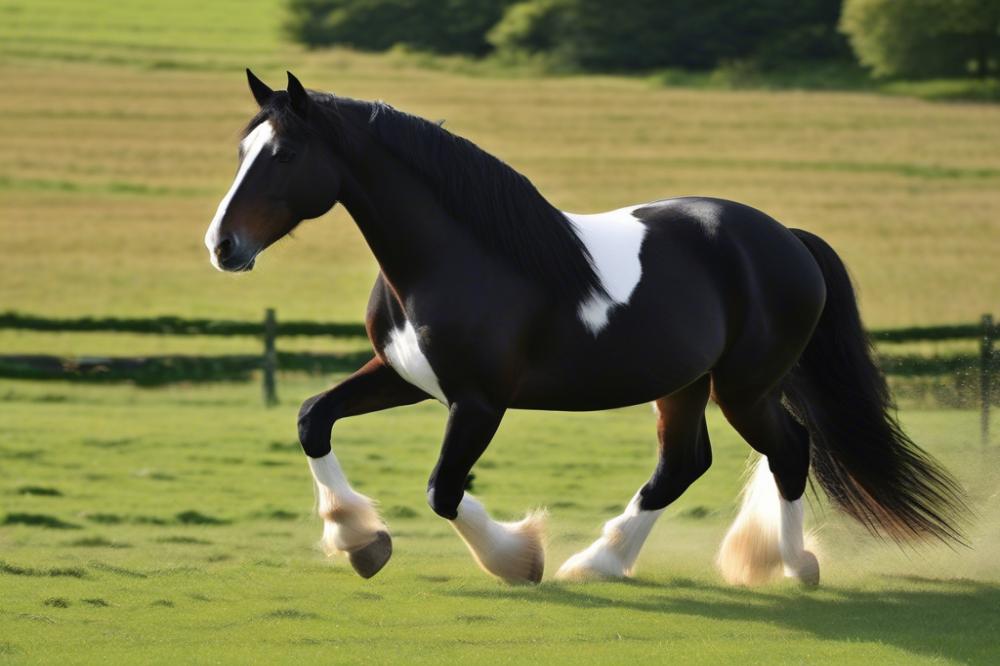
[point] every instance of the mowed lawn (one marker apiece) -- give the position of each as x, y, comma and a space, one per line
174, 525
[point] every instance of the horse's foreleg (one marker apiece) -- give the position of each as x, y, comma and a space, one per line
513, 552
350, 522
685, 454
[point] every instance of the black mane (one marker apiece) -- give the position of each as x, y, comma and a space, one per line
496, 203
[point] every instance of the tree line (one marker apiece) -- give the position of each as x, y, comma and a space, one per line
902, 38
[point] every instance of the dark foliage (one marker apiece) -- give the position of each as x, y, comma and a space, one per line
439, 26
648, 34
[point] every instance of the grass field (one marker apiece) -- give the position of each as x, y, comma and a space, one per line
174, 525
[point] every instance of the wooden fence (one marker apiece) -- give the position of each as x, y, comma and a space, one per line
152, 370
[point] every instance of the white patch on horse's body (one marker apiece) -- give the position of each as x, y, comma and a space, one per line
350, 521
766, 534
513, 552
614, 241
251, 146
406, 358
615, 553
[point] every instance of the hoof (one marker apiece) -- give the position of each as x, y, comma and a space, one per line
526, 565
592, 564
533, 576
513, 552
369, 560
807, 570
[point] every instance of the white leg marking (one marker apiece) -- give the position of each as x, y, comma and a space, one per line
350, 521
614, 241
766, 534
513, 552
800, 563
615, 553
406, 358
252, 146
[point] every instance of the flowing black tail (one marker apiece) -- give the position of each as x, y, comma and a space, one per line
861, 457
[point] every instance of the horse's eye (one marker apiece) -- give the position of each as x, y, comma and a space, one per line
284, 155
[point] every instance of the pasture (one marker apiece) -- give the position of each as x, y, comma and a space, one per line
174, 524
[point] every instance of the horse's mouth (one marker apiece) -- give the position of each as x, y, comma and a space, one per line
247, 267
233, 267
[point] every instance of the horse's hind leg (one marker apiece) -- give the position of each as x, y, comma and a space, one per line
768, 531
685, 454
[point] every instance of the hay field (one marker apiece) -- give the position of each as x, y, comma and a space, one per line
174, 524
118, 128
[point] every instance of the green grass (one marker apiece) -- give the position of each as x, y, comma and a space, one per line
176, 523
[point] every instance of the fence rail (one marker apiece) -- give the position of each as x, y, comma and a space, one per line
159, 369
178, 326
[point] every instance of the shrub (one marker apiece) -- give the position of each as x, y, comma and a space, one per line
531, 27
924, 38
439, 26
646, 34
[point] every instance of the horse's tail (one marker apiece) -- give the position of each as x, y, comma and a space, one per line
861, 457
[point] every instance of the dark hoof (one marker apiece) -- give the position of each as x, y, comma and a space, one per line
369, 560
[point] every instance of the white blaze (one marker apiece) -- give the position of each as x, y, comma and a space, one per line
252, 145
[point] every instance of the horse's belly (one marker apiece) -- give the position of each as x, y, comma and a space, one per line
593, 388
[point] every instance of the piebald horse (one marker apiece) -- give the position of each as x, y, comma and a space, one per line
489, 299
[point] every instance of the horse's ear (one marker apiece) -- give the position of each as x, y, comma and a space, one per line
260, 91
297, 95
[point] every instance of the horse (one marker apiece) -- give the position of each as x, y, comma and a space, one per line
489, 298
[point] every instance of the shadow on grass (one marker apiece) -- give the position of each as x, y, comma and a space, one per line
957, 619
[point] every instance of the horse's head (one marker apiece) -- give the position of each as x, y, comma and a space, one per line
286, 175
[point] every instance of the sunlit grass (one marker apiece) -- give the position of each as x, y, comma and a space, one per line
177, 521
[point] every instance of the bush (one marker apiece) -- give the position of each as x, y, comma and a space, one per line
924, 38
647, 34
439, 26
530, 27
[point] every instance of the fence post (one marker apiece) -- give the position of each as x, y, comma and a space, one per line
270, 365
985, 377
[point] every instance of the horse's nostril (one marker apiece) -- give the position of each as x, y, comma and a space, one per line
225, 248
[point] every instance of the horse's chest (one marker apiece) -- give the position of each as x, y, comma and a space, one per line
404, 355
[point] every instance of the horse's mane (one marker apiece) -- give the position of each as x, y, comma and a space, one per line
498, 205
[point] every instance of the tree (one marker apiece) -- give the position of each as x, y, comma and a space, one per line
644, 34
440, 26
924, 38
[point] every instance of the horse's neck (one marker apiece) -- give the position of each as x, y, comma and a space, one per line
402, 222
